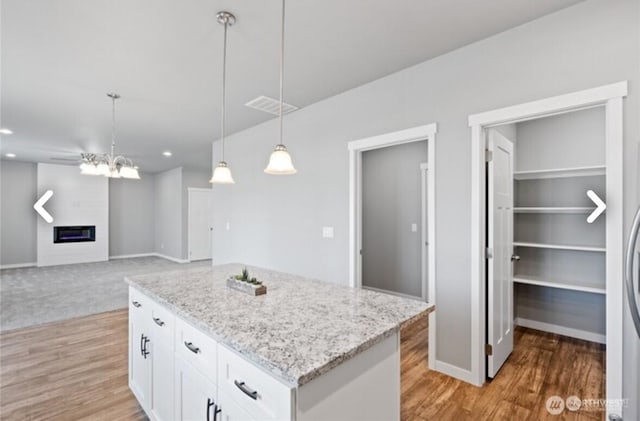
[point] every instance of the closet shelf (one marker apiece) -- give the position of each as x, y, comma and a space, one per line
559, 247
530, 280
553, 209
560, 173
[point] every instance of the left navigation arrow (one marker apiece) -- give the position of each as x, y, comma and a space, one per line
38, 206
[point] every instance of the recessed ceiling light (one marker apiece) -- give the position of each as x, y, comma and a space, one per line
4, 130
167, 153
10, 155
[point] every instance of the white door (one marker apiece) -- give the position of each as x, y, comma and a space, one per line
500, 251
195, 396
162, 400
230, 411
200, 228
139, 367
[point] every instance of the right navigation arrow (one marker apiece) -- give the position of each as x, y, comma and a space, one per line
600, 206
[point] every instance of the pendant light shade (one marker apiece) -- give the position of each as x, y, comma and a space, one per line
280, 162
129, 172
222, 172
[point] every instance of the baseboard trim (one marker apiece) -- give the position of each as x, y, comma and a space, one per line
456, 372
398, 294
18, 265
173, 259
131, 256
562, 330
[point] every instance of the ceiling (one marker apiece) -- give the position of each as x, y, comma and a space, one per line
60, 58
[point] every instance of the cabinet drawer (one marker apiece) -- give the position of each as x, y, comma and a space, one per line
258, 393
138, 302
162, 324
196, 348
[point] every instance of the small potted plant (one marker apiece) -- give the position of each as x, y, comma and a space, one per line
247, 284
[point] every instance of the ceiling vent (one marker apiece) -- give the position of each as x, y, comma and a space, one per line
270, 105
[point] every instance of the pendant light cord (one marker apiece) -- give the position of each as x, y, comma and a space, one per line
113, 124
224, 83
282, 73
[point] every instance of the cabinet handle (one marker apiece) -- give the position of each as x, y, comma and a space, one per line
192, 347
515, 258
209, 405
158, 321
145, 352
136, 304
253, 394
216, 411
142, 344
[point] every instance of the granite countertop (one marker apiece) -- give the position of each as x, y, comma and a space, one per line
299, 330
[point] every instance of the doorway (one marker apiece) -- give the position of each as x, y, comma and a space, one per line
392, 219
425, 223
200, 229
566, 264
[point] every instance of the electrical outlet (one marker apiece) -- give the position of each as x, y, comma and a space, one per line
228, 226
327, 232
414, 227
162, 245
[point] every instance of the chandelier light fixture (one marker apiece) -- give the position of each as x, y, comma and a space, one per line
222, 172
109, 165
280, 162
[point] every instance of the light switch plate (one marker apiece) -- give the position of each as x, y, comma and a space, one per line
414, 227
327, 232
228, 226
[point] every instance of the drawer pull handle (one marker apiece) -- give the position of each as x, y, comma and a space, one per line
136, 304
253, 394
210, 403
158, 321
192, 347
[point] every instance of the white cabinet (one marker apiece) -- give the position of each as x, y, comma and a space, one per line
139, 367
161, 355
151, 356
231, 411
196, 397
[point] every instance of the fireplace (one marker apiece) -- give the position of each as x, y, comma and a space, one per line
74, 234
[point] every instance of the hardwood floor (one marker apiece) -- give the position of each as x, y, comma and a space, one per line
70, 370
77, 370
541, 365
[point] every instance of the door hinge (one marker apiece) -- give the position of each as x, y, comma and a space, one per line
488, 253
488, 349
488, 155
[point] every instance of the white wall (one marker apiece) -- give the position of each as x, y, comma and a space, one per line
17, 218
168, 213
276, 221
77, 200
131, 216
190, 178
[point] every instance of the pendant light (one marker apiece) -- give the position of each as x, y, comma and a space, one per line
222, 173
109, 165
280, 162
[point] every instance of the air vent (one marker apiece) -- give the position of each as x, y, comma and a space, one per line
270, 105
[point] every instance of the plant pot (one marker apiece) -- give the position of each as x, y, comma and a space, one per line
246, 287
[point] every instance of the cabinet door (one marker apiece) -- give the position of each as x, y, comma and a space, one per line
196, 397
231, 411
162, 371
139, 367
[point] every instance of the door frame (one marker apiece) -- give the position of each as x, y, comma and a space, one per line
356, 148
610, 97
189, 191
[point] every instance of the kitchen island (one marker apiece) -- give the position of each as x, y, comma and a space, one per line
305, 350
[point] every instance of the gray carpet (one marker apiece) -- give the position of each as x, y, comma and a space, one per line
32, 296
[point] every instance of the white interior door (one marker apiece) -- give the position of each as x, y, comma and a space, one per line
500, 251
200, 227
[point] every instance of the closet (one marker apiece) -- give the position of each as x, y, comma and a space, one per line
560, 258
